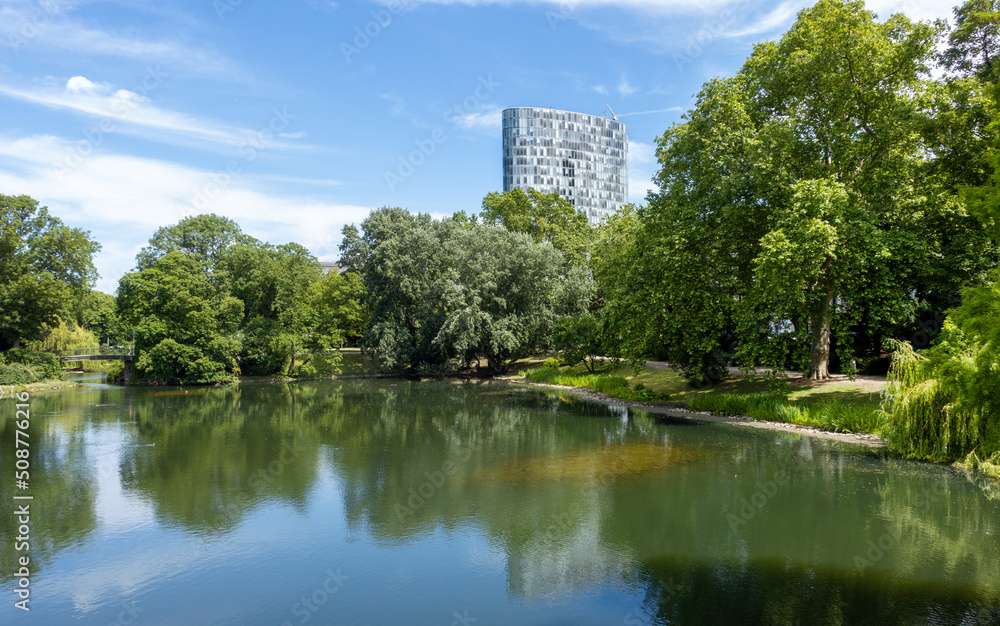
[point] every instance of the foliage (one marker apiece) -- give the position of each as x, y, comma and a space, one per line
339, 300
63, 337
97, 313
497, 296
578, 338
445, 293
44, 266
798, 213
974, 44
20, 366
185, 325
203, 237
546, 217
943, 404
209, 303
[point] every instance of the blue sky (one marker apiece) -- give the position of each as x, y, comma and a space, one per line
298, 117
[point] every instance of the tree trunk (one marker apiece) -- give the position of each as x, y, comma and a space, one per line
822, 320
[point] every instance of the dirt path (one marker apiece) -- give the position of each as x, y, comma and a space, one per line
679, 411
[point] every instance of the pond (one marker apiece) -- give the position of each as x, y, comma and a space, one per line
461, 503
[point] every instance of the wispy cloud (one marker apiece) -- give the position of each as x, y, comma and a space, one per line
51, 26
641, 167
133, 112
601, 89
398, 104
624, 88
781, 16
667, 110
126, 198
489, 119
647, 5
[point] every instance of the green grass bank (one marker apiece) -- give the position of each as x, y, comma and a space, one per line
839, 405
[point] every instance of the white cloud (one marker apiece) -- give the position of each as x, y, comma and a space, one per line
398, 104
124, 199
488, 120
601, 89
30, 25
131, 112
641, 167
641, 153
567, 7
80, 83
780, 17
655, 111
624, 88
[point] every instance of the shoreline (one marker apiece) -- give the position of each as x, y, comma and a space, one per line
674, 410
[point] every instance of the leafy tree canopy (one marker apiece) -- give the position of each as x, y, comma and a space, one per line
444, 293
545, 217
44, 267
209, 303
185, 325
204, 237
796, 206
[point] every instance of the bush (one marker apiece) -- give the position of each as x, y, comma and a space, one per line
17, 374
24, 364
116, 373
174, 363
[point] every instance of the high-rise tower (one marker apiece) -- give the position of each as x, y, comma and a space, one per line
584, 158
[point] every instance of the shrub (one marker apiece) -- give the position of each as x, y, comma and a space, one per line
37, 365
18, 374
116, 373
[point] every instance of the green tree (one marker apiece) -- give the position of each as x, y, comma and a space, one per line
339, 302
399, 259
578, 337
974, 44
942, 403
204, 237
98, 314
498, 295
545, 217
44, 267
443, 293
796, 210
185, 325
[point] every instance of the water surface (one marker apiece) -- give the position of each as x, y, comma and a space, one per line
394, 502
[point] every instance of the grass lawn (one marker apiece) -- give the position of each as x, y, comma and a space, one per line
840, 404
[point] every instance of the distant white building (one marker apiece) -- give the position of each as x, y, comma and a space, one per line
583, 158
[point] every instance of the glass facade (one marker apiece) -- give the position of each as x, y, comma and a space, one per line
583, 158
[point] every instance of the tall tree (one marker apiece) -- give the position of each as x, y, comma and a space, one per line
44, 267
185, 324
498, 295
444, 293
795, 206
974, 43
545, 217
204, 237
